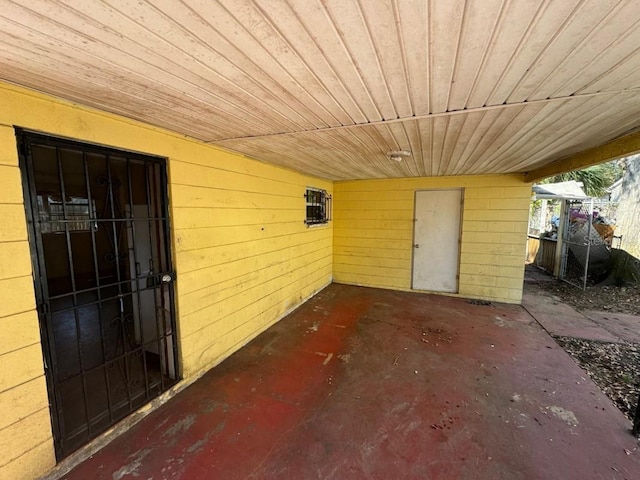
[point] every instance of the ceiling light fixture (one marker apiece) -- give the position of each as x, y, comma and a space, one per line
398, 155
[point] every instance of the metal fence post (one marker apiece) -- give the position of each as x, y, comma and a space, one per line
586, 262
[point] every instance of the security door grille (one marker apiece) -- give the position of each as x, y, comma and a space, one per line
99, 235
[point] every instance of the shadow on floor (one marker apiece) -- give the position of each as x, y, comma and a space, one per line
367, 383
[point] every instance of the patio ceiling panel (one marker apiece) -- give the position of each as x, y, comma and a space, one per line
329, 87
610, 45
581, 36
500, 140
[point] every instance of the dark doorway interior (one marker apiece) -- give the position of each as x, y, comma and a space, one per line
104, 281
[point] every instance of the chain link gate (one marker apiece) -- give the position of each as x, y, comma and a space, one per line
586, 240
576, 245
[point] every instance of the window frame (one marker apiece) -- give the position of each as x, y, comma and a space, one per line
317, 200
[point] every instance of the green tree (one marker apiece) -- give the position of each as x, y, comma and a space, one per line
595, 179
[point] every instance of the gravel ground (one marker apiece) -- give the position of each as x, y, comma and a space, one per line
614, 367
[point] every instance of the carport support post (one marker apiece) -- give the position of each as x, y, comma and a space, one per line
636, 420
559, 238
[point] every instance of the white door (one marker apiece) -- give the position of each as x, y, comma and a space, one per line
436, 239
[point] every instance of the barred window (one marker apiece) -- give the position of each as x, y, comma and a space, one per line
318, 206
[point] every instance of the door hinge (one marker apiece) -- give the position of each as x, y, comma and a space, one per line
43, 308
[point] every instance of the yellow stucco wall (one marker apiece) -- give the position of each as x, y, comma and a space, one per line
241, 250
373, 233
26, 446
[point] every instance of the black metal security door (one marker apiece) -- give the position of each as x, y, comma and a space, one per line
99, 234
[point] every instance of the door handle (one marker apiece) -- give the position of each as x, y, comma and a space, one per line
167, 278
417, 245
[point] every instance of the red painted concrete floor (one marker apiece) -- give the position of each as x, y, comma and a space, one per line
363, 383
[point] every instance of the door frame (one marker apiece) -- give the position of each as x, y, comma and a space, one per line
413, 237
23, 139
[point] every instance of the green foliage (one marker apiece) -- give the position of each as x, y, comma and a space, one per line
596, 179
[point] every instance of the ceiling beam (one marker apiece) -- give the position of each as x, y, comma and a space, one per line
618, 148
448, 113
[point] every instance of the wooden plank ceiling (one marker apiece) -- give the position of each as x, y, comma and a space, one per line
328, 87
